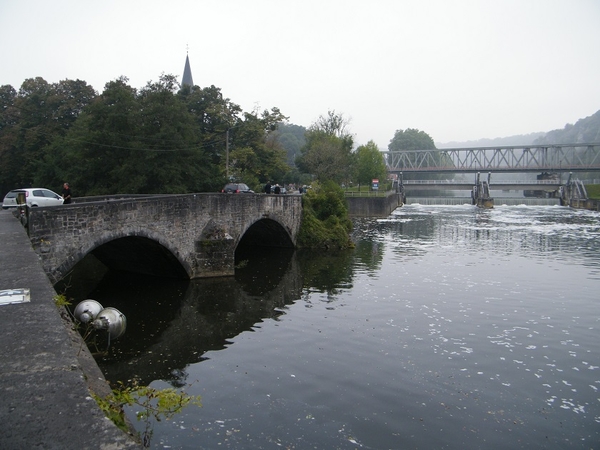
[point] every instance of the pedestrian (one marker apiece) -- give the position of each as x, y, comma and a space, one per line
277, 189
268, 187
66, 194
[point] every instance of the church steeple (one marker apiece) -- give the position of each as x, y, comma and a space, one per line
187, 73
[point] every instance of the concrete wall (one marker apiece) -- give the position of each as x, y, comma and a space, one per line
199, 231
373, 206
588, 203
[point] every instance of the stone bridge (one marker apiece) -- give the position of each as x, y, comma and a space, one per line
193, 235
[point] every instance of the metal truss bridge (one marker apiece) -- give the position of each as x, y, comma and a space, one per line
530, 158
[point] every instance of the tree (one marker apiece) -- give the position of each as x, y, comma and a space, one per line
169, 159
291, 137
9, 117
411, 139
369, 163
214, 117
159, 139
96, 153
37, 116
256, 155
140, 142
328, 150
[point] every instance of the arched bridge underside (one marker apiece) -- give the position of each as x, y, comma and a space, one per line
192, 236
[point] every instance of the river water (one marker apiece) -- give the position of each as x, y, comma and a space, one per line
446, 327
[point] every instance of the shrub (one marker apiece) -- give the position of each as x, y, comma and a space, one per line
325, 221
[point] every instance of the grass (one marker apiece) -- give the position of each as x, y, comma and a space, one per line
593, 191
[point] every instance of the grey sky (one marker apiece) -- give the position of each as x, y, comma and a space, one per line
458, 70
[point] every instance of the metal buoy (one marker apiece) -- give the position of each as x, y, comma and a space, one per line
112, 321
87, 310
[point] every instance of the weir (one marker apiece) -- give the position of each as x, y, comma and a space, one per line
548, 186
498, 201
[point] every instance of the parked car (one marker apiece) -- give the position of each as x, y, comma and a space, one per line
34, 197
237, 188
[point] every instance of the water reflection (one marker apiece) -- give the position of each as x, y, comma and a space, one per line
173, 323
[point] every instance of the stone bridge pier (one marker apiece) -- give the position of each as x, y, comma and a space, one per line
193, 235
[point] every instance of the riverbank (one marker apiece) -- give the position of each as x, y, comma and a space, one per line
46, 371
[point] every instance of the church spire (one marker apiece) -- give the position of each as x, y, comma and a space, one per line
187, 73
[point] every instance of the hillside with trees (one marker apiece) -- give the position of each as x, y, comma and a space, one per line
518, 139
586, 130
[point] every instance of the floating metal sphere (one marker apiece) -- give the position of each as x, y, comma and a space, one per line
112, 321
87, 310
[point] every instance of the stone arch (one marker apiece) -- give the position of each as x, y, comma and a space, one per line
148, 252
267, 232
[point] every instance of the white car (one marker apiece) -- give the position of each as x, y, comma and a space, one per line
33, 197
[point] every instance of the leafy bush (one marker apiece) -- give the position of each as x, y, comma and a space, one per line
325, 221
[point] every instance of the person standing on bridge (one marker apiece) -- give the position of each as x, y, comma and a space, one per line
66, 194
268, 187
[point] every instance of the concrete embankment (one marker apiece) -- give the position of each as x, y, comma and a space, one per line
381, 206
46, 371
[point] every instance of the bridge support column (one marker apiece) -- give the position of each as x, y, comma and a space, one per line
214, 258
480, 195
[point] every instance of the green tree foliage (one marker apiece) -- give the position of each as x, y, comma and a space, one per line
9, 116
325, 222
413, 139
39, 114
291, 138
214, 115
98, 150
260, 157
370, 164
328, 151
158, 139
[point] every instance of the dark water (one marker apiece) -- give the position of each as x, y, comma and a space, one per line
447, 327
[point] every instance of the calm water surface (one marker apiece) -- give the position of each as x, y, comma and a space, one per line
447, 327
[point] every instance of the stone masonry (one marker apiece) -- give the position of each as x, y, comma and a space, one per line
200, 231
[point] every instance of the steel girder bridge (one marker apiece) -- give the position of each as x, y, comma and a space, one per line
583, 157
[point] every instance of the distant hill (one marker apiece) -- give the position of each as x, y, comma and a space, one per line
519, 139
584, 130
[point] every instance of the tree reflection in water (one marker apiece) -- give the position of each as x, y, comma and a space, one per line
172, 323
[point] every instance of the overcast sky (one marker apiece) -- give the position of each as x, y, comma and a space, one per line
458, 70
